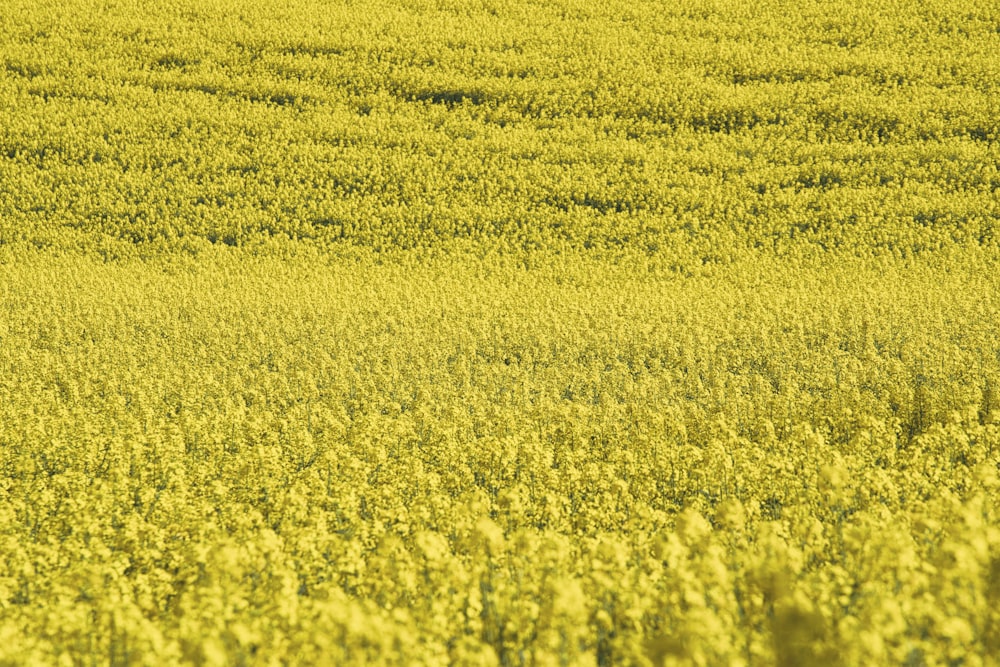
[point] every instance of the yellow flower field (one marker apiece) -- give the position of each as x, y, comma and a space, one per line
425, 332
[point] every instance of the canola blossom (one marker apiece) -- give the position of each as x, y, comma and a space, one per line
427, 332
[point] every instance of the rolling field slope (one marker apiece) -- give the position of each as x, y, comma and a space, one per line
499, 333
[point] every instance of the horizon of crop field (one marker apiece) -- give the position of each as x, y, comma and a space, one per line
499, 333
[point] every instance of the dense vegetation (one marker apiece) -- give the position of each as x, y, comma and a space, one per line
499, 333
705, 125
